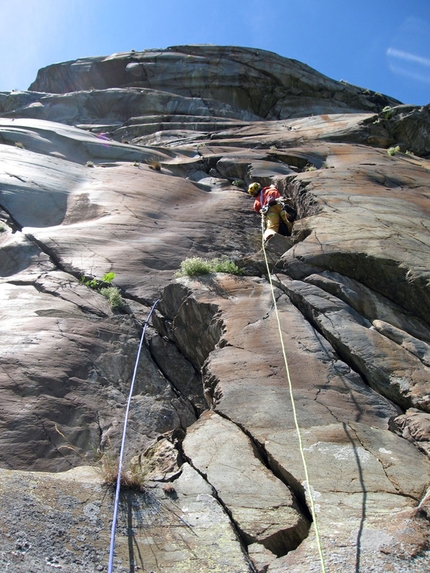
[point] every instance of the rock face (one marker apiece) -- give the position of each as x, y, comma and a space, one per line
253, 455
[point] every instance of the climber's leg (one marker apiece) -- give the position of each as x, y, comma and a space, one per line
273, 218
287, 223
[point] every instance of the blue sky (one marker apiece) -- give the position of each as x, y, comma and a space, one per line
382, 45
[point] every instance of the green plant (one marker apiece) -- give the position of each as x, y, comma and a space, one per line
97, 284
2, 229
387, 112
194, 266
198, 266
102, 286
19, 145
309, 167
108, 277
114, 297
238, 183
226, 266
89, 164
393, 150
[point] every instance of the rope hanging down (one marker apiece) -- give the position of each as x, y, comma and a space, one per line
122, 449
293, 405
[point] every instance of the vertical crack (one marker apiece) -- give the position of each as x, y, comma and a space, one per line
274, 467
238, 532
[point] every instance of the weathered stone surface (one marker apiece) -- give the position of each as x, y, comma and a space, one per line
414, 425
71, 513
392, 370
262, 507
132, 179
253, 80
368, 464
406, 126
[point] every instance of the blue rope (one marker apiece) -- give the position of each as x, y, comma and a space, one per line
121, 454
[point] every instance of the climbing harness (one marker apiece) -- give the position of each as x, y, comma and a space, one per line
122, 449
293, 405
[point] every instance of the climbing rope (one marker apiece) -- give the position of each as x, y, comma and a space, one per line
293, 405
122, 449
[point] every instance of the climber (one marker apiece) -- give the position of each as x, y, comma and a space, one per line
269, 202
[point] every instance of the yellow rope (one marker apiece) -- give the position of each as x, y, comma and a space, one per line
296, 421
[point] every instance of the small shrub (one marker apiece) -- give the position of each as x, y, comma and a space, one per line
238, 183
198, 266
226, 266
194, 266
19, 145
89, 164
393, 150
2, 229
114, 297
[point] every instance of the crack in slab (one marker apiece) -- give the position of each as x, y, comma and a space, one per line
226, 510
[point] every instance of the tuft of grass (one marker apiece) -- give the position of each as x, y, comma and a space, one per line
195, 266
156, 165
89, 164
138, 473
132, 478
19, 144
393, 150
114, 297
